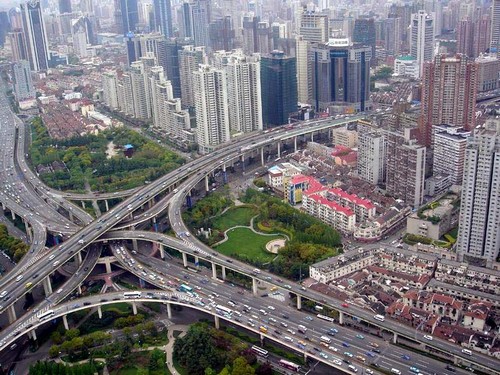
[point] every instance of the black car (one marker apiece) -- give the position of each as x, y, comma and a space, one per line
87, 303
450, 368
376, 350
285, 316
317, 349
229, 261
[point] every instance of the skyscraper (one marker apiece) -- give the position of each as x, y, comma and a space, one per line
495, 27
129, 15
479, 225
168, 57
222, 34
4, 27
211, 103
163, 17
35, 35
23, 86
17, 45
201, 16
371, 154
341, 75
278, 74
364, 33
64, 6
449, 90
312, 26
190, 58
243, 88
422, 37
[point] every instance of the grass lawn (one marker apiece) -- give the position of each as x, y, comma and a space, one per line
120, 306
244, 241
235, 216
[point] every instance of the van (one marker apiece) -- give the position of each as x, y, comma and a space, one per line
466, 351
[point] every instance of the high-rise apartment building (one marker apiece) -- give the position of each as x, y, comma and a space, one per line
422, 37
211, 103
371, 154
449, 90
35, 36
163, 17
488, 76
495, 27
249, 34
405, 169
110, 89
17, 45
4, 27
243, 88
449, 152
304, 84
479, 224
313, 26
136, 98
23, 85
341, 76
392, 36
190, 58
473, 35
278, 74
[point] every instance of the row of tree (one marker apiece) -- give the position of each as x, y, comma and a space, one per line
205, 209
12, 246
53, 368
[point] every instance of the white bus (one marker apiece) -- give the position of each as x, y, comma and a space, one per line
379, 317
259, 351
223, 310
45, 315
326, 339
324, 317
132, 295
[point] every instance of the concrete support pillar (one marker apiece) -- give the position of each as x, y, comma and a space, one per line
217, 322
134, 244
99, 312
261, 339
295, 143
151, 203
134, 308
65, 322
299, 302
13, 214
185, 259
162, 252
29, 232
12, 314
196, 261
107, 263
169, 310
341, 317
456, 360
312, 136
223, 273
79, 289
207, 188
3, 206
214, 270
243, 162
107, 205
279, 149
47, 286
262, 156
395, 338
71, 215
79, 257
32, 334
83, 204
254, 286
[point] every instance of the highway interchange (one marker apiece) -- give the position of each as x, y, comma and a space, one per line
183, 179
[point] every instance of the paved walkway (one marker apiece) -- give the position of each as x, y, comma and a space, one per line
169, 348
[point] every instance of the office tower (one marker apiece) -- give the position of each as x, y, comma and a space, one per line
4, 27
168, 57
243, 89
422, 37
312, 26
139, 45
129, 16
110, 89
341, 76
65, 6
86, 6
65, 22
163, 17
495, 27
23, 86
364, 33
81, 31
35, 35
249, 34
278, 74
17, 45
393, 36
479, 225
263, 42
15, 19
449, 152
211, 103
279, 33
371, 155
190, 58
304, 84
488, 77
201, 16
449, 90
405, 169
221, 34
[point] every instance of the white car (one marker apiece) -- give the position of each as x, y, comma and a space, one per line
292, 332
271, 308
428, 337
337, 362
332, 348
288, 338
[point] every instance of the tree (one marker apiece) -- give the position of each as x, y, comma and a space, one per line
241, 367
264, 369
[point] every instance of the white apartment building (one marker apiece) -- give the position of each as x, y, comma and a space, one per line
278, 174
110, 89
23, 85
371, 155
479, 223
190, 58
449, 152
422, 38
212, 107
331, 213
244, 91
407, 66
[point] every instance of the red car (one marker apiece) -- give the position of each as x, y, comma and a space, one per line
345, 305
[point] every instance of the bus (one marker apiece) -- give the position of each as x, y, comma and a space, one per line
378, 317
185, 288
45, 315
324, 317
259, 351
132, 295
302, 329
326, 339
289, 365
222, 310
